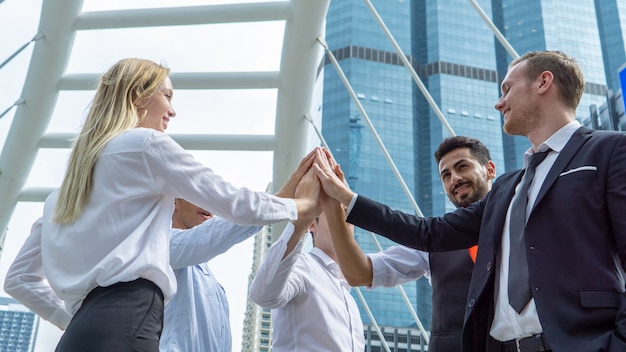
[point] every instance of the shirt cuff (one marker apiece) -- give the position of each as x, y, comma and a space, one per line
61, 318
274, 257
352, 202
292, 209
379, 270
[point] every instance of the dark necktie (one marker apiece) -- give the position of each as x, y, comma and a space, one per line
519, 284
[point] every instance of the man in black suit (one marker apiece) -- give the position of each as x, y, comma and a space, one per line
466, 172
574, 238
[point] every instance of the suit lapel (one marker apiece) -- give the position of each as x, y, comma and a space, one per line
501, 205
492, 227
565, 156
490, 240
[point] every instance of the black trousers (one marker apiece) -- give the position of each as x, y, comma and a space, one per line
124, 317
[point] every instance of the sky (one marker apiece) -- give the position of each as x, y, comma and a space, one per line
210, 48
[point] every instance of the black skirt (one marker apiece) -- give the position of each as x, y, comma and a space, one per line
127, 316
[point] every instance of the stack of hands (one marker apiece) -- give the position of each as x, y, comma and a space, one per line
317, 184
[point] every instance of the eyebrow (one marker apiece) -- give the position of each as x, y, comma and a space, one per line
503, 85
453, 166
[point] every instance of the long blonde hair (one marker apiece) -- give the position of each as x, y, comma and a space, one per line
112, 111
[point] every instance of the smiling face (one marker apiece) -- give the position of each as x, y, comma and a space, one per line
464, 178
187, 215
157, 111
518, 103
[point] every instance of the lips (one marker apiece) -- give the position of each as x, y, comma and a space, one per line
504, 113
461, 188
205, 214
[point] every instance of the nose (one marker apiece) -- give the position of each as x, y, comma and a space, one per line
499, 104
455, 178
171, 112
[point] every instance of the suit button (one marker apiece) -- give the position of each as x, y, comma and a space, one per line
532, 248
489, 266
472, 302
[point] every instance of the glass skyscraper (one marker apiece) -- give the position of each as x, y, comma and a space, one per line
18, 327
461, 63
384, 89
611, 17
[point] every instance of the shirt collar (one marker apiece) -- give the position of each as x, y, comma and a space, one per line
324, 258
556, 142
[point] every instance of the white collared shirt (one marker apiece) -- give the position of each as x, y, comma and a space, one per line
507, 324
312, 309
397, 265
123, 230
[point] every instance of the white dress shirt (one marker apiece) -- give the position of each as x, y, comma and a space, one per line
397, 265
123, 230
507, 324
312, 309
196, 318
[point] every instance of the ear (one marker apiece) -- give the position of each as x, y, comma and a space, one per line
491, 170
313, 227
544, 81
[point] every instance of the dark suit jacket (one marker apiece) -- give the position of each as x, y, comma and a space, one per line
575, 237
450, 274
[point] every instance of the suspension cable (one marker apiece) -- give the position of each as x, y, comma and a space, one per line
371, 316
409, 67
35, 38
406, 299
496, 32
346, 83
18, 102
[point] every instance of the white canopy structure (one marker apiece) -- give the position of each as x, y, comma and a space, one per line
59, 24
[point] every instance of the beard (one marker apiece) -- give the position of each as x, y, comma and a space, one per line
522, 123
479, 188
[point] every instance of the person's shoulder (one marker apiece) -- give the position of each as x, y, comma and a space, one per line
139, 134
604, 141
506, 176
136, 139
603, 134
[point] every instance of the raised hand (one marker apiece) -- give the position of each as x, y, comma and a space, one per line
331, 177
289, 189
306, 195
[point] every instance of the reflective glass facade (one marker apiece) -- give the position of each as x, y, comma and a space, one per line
450, 36
18, 326
611, 16
384, 89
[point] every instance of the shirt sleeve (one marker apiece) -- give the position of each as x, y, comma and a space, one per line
275, 285
27, 283
178, 174
397, 265
351, 205
204, 242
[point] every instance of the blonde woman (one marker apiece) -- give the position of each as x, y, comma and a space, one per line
97, 261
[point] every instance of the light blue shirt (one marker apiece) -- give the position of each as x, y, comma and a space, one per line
196, 318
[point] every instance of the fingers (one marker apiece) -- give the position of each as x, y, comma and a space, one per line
303, 167
308, 190
322, 159
330, 158
288, 190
